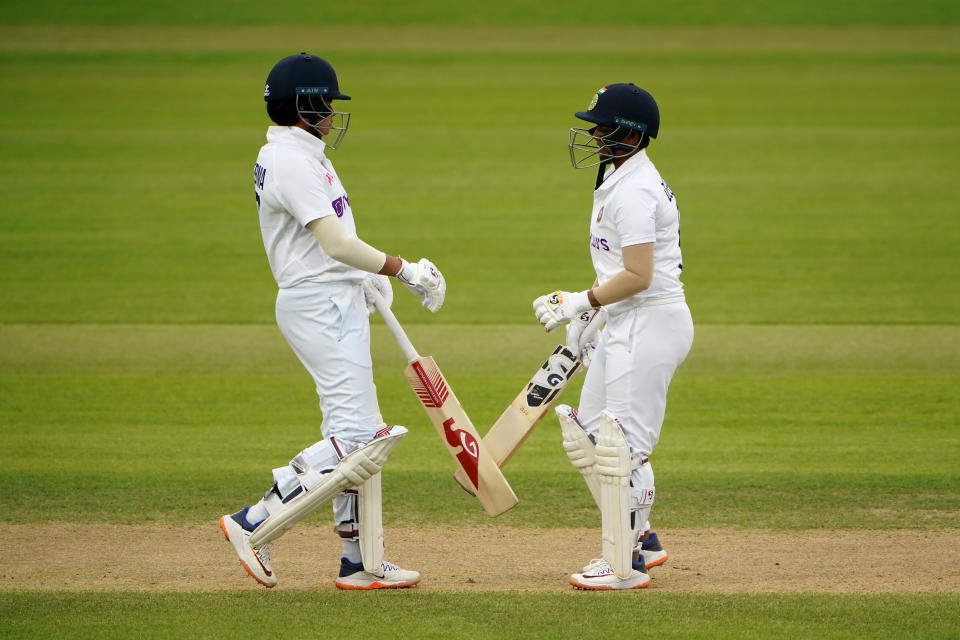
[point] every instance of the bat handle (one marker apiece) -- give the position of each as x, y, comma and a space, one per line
409, 352
594, 327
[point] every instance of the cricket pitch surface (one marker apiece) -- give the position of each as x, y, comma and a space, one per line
154, 557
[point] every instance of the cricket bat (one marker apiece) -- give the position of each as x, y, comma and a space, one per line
480, 471
533, 402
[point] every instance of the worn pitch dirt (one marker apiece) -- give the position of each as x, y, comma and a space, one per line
482, 558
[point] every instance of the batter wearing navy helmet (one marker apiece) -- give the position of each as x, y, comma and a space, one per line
320, 266
635, 248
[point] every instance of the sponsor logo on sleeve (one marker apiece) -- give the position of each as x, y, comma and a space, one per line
340, 205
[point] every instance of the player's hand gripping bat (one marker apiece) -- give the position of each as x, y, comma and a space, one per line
532, 403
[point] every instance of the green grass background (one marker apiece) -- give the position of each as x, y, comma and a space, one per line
813, 148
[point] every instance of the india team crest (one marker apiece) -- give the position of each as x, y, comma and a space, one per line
596, 98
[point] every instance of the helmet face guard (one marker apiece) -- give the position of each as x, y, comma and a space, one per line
315, 111
588, 150
621, 108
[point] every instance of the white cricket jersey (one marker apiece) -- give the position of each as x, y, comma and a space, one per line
296, 184
635, 206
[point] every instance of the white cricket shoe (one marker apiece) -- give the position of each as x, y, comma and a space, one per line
256, 560
353, 576
599, 576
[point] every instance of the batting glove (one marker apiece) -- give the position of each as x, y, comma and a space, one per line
582, 334
382, 284
424, 280
560, 307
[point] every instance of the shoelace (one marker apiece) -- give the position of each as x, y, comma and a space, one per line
264, 553
601, 567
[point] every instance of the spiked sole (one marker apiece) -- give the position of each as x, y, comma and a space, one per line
376, 585
604, 587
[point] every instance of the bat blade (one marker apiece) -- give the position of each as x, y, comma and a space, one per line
533, 402
476, 465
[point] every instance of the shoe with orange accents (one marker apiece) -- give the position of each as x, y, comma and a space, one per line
256, 560
353, 576
599, 576
654, 554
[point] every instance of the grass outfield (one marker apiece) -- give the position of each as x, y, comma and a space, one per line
853, 427
444, 616
798, 202
495, 12
142, 381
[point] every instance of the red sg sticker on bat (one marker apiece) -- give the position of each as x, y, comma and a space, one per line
469, 455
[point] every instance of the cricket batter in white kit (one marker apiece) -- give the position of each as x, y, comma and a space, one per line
635, 248
320, 264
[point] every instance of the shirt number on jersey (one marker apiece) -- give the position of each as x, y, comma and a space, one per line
680, 265
259, 174
669, 193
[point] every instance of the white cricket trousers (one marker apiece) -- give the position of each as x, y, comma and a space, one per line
327, 326
637, 354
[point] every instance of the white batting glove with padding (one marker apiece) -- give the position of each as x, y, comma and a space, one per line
382, 284
424, 280
560, 307
582, 334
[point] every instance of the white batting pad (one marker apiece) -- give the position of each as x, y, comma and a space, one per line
579, 448
614, 467
353, 470
371, 524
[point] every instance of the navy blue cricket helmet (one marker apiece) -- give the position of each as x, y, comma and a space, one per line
302, 74
624, 104
310, 85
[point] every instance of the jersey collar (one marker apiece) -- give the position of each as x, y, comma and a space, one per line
635, 161
299, 137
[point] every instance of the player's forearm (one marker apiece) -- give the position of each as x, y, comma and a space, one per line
346, 248
620, 287
391, 266
636, 276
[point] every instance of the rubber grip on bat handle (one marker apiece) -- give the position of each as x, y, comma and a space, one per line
409, 351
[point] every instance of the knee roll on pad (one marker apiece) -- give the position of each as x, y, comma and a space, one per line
579, 447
